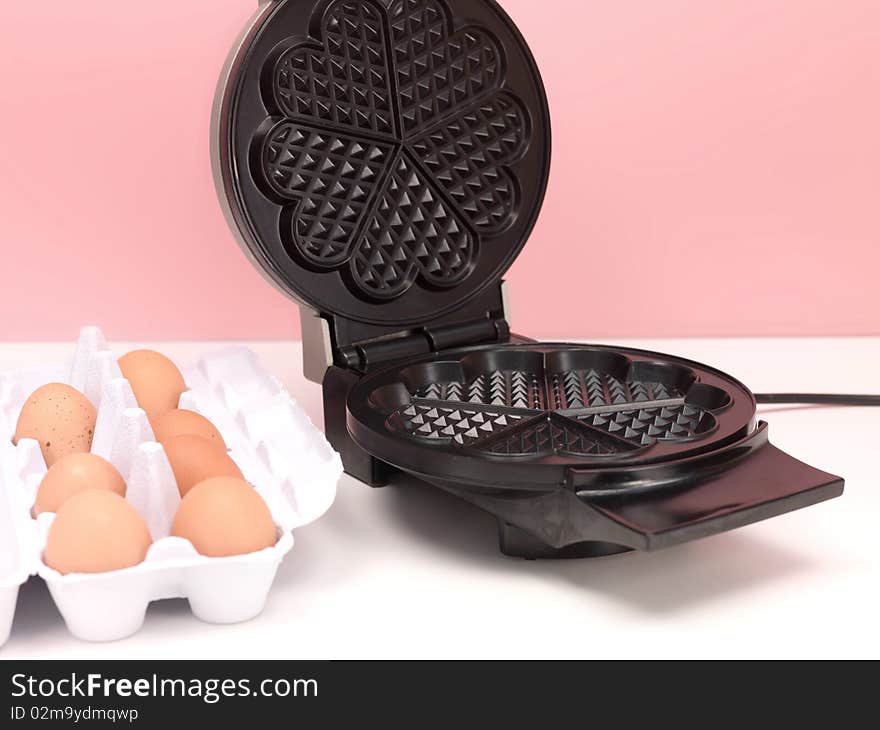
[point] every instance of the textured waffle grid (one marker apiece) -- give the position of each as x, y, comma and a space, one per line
438, 73
460, 425
644, 426
455, 134
333, 176
452, 391
591, 389
467, 157
508, 388
346, 82
413, 231
513, 388
585, 412
552, 435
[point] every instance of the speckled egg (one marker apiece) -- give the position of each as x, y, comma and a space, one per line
60, 418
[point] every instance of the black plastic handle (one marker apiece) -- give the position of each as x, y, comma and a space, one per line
766, 484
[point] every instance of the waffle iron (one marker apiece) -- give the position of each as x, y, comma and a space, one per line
383, 162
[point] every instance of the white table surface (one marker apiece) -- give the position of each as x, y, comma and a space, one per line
407, 571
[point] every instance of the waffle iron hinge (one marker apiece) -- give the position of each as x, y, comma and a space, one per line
423, 341
319, 355
338, 353
329, 341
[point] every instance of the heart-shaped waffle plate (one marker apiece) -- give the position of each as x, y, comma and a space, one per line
383, 160
539, 409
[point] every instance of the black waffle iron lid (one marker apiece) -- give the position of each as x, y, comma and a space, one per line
382, 161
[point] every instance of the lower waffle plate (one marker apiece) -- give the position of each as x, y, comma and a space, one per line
523, 415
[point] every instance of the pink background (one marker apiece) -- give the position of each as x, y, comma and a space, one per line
730, 150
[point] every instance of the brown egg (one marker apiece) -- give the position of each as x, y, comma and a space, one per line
61, 418
181, 423
155, 380
96, 532
73, 474
225, 516
194, 459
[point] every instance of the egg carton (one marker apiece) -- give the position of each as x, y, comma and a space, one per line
278, 449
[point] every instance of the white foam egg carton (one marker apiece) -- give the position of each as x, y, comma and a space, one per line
278, 449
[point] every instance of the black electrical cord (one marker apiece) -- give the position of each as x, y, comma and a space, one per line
817, 399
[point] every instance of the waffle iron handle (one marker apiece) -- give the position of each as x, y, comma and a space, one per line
766, 484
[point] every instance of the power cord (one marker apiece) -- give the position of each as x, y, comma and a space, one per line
817, 399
